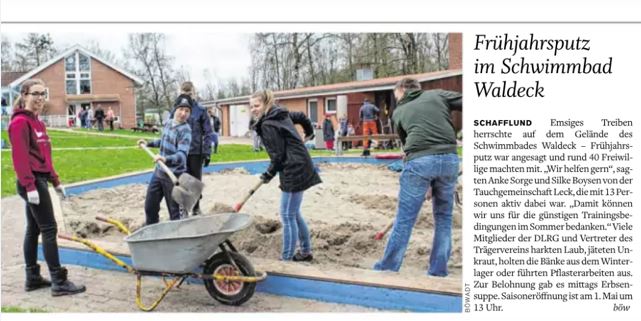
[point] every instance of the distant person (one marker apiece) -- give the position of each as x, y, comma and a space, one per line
100, 117
256, 141
33, 165
110, 118
422, 121
174, 147
215, 122
83, 117
90, 118
343, 126
295, 169
368, 115
328, 132
200, 150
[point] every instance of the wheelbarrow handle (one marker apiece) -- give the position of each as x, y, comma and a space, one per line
164, 167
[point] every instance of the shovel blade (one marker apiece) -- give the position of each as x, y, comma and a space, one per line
187, 192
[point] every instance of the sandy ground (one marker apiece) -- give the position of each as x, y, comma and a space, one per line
344, 213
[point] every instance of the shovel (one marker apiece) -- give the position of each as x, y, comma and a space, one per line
379, 235
57, 208
251, 192
187, 189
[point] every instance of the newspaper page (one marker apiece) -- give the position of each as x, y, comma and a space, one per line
452, 161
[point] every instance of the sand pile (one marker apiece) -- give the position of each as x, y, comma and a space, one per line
343, 214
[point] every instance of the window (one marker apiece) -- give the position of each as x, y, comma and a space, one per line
85, 87
83, 62
78, 74
70, 63
72, 88
312, 110
330, 105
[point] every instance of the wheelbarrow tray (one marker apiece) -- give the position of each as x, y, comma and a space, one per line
182, 246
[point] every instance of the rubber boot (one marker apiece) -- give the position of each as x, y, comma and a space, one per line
61, 285
34, 279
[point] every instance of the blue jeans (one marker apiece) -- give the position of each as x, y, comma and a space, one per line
440, 172
160, 187
294, 227
214, 141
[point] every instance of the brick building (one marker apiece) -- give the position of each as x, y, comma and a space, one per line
79, 79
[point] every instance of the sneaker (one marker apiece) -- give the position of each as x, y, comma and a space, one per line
298, 257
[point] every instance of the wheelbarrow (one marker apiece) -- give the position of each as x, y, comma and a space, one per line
179, 249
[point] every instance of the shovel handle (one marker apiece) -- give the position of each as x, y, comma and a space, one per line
251, 192
382, 233
164, 167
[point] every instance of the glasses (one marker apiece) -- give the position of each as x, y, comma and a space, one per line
38, 94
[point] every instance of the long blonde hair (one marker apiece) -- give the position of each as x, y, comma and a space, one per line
266, 97
24, 88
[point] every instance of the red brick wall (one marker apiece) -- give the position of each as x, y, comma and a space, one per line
456, 50
54, 78
104, 80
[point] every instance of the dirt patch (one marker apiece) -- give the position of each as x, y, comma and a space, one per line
343, 214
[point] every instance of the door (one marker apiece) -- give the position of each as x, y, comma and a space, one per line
72, 115
239, 120
312, 111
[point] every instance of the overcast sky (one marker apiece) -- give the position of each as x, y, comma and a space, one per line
226, 55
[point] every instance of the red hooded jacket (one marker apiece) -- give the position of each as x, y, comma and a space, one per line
31, 148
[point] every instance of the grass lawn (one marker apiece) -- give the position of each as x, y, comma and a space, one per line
65, 139
14, 309
80, 165
125, 132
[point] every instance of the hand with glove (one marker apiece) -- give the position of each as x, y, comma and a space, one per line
266, 177
206, 160
33, 197
61, 190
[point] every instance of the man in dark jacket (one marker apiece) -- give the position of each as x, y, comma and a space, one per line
200, 149
215, 122
99, 115
422, 120
368, 114
328, 132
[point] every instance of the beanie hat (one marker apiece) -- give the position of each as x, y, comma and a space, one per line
183, 102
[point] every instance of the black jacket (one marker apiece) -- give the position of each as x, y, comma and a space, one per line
288, 154
328, 130
216, 123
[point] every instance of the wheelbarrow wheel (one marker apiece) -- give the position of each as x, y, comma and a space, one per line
229, 292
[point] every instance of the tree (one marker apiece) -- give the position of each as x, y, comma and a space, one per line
34, 50
7, 55
154, 66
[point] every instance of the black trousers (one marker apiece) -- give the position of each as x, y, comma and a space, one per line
40, 220
160, 187
195, 169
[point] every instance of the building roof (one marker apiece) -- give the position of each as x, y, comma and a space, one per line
9, 76
67, 52
345, 87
